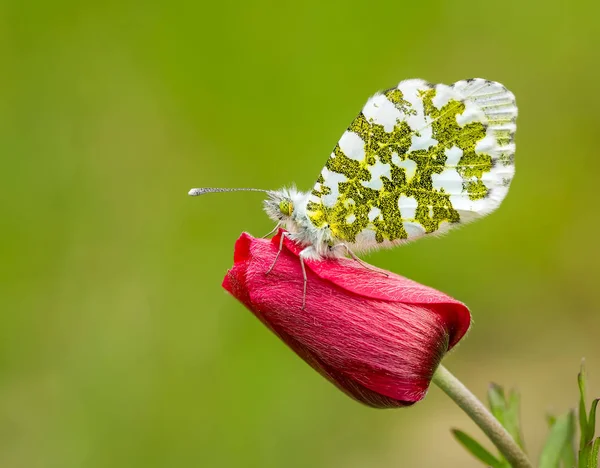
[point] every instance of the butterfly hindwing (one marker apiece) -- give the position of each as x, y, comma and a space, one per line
418, 159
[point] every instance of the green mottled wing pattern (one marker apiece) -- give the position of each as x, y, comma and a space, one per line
418, 159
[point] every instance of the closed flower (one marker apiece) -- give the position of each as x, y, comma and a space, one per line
377, 336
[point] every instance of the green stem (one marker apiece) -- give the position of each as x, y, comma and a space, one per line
482, 417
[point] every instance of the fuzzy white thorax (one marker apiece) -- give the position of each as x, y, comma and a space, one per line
316, 241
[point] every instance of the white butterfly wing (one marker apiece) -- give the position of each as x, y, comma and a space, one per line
418, 159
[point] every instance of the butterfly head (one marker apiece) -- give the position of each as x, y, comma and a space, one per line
284, 206
279, 206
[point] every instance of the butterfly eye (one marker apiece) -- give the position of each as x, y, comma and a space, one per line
286, 207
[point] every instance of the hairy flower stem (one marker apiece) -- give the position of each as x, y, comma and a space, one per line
482, 417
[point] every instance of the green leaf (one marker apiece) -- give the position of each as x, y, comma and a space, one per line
593, 459
506, 411
584, 456
592, 419
588, 456
497, 402
583, 424
568, 453
476, 449
560, 437
512, 418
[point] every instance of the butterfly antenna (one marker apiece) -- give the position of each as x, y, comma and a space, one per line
201, 191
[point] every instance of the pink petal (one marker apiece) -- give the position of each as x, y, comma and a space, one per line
355, 330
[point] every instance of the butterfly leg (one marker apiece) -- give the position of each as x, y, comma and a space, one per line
360, 262
307, 253
305, 281
271, 232
283, 234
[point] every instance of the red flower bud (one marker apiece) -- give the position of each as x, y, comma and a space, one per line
378, 338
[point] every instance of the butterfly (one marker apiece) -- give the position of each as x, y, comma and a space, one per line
418, 159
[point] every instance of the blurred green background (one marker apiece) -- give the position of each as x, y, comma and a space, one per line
118, 346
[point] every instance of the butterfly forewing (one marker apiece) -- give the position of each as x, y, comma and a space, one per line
418, 159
